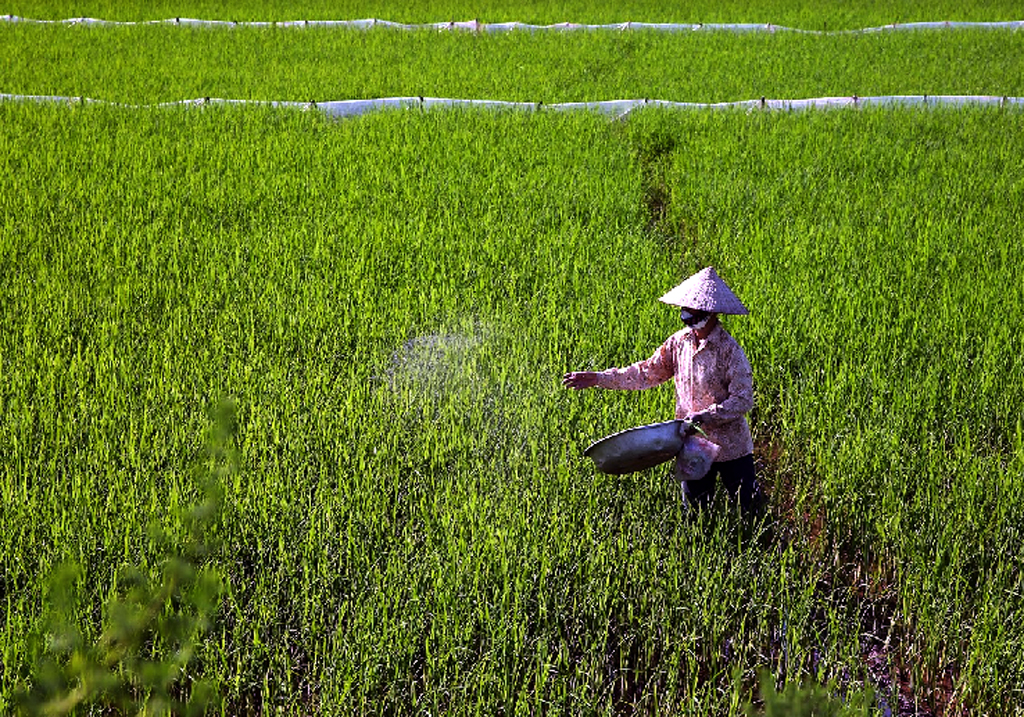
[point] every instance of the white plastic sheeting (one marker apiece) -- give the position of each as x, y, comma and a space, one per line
614, 108
496, 27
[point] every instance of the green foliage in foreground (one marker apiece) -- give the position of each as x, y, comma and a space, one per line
864, 13
811, 700
151, 628
392, 300
151, 64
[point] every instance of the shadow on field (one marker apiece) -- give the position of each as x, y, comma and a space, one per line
858, 585
849, 585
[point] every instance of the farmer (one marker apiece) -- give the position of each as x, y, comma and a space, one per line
713, 384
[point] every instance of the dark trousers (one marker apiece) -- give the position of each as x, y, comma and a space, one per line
738, 477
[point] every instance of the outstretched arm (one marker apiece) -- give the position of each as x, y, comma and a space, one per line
643, 374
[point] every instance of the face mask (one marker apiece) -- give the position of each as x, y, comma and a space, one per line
695, 319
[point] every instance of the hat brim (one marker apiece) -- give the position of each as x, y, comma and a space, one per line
705, 291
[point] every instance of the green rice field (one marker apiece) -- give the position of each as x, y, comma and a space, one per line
149, 64
390, 302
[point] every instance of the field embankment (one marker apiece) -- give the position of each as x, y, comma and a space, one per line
866, 13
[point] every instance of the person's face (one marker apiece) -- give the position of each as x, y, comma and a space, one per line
695, 318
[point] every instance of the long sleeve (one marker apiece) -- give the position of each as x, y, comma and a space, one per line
648, 373
740, 387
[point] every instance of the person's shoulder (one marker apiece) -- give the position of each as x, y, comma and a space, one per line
676, 338
725, 339
720, 334
730, 346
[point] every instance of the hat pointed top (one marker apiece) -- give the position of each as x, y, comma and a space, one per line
705, 291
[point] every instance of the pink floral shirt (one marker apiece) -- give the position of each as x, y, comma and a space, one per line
712, 375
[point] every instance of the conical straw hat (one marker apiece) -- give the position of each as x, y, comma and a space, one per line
706, 291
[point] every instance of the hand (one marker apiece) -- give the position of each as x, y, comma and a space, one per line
580, 379
699, 417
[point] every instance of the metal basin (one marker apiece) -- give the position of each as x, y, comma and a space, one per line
637, 448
